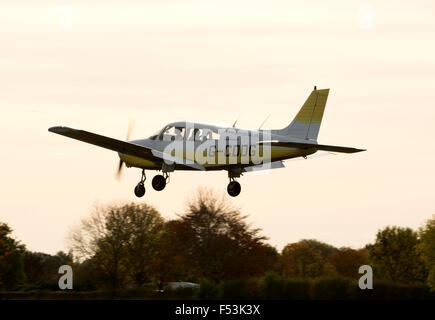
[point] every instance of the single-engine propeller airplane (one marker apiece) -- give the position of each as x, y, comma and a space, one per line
204, 147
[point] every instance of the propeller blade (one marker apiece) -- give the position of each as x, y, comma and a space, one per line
131, 124
119, 172
129, 130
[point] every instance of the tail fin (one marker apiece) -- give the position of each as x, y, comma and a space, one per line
306, 124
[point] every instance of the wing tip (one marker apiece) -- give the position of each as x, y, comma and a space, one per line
59, 129
54, 129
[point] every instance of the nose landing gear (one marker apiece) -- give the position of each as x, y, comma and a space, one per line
139, 190
234, 187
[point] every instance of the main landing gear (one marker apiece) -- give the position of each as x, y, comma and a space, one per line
139, 190
159, 183
234, 187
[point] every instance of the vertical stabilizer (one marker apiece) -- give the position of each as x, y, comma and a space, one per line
306, 124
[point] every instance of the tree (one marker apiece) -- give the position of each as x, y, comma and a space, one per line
395, 255
172, 260
427, 249
347, 261
86, 275
263, 258
111, 251
306, 259
11, 259
218, 244
120, 241
145, 228
323, 248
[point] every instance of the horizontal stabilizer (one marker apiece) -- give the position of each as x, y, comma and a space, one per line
324, 147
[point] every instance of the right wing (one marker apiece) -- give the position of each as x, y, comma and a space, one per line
105, 142
123, 146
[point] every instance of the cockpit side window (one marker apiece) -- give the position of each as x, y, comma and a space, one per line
179, 133
198, 134
194, 134
208, 134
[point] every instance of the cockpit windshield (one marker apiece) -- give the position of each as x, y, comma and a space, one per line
178, 133
155, 135
172, 133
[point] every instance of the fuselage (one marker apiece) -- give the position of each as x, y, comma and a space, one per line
214, 147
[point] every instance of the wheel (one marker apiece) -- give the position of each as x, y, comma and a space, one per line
234, 188
159, 182
139, 190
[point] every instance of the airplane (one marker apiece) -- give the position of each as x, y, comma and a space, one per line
204, 147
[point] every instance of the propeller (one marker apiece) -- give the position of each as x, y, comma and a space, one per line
129, 131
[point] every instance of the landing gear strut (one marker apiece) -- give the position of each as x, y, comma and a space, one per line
234, 187
159, 181
139, 190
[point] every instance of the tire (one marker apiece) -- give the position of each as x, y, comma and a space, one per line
159, 182
234, 188
139, 190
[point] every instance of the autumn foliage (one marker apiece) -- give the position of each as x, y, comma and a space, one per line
130, 246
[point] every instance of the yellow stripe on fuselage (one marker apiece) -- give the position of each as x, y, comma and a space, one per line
276, 153
133, 161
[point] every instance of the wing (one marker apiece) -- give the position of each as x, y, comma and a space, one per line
104, 142
323, 147
122, 146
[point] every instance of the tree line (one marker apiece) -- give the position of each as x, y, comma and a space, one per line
130, 245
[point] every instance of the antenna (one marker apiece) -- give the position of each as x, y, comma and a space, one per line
264, 121
234, 124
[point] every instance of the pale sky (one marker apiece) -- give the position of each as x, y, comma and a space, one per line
94, 65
